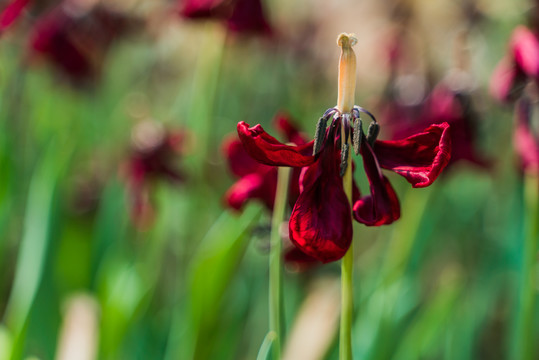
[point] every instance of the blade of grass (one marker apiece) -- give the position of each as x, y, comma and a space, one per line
426, 333
212, 269
34, 245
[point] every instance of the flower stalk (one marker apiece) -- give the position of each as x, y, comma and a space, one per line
275, 263
523, 347
345, 104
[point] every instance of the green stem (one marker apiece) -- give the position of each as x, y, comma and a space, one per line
347, 285
524, 342
347, 302
275, 265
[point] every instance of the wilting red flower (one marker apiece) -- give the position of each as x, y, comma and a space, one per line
525, 138
321, 222
259, 181
519, 66
442, 105
242, 16
10, 13
152, 159
75, 39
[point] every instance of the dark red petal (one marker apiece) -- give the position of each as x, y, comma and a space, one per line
253, 186
239, 161
356, 194
248, 17
382, 206
11, 13
525, 48
203, 9
77, 43
321, 222
419, 158
266, 149
53, 37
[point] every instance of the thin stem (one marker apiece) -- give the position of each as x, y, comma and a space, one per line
523, 347
347, 285
275, 265
345, 104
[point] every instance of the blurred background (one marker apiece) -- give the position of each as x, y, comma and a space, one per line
118, 239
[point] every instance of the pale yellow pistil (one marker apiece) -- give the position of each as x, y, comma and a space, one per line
347, 73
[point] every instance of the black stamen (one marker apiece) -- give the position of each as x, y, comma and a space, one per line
358, 135
319, 134
344, 142
372, 133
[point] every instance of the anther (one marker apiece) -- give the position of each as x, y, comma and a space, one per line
358, 135
319, 134
372, 133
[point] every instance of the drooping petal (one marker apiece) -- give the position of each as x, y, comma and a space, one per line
76, 40
52, 38
248, 17
203, 9
419, 158
381, 206
525, 48
268, 150
239, 161
321, 224
253, 186
11, 13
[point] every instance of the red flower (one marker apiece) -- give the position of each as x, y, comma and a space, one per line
75, 39
259, 181
10, 13
519, 66
151, 159
442, 105
241, 16
321, 221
